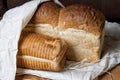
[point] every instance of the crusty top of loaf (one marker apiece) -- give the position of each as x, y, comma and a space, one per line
47, 13
77, 16
82, 17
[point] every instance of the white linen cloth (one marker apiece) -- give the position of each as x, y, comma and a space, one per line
10, 29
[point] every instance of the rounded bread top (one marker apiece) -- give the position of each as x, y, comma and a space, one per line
47, 13
82, 17
77, 16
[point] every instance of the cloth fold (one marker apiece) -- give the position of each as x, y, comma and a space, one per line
10, 29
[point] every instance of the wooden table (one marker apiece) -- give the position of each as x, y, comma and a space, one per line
113, 74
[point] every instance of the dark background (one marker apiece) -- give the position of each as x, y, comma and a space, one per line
110, 8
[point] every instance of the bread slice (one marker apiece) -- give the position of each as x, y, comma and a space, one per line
81, 26
30, 62
37, 51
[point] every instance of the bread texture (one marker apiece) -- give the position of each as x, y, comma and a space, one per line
83, 31
41, 45
37, 51
47, 13
82, 17
39, 64
82, 27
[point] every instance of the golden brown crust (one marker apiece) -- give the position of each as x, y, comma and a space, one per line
38, 51
39, 45
82, 17
40, 65
47, 13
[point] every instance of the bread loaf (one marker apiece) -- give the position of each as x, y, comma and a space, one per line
81, 26
37, 51
84, 33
